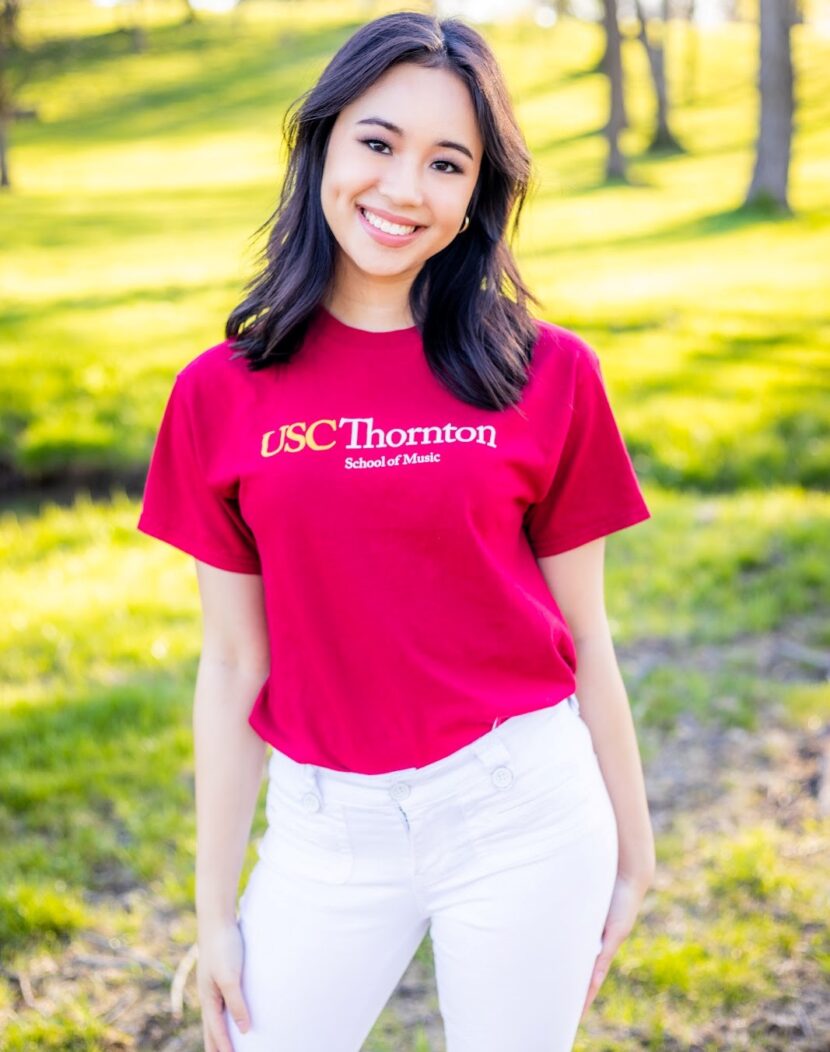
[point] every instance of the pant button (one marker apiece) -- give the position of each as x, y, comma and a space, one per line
502, 777
311, 802
399, 791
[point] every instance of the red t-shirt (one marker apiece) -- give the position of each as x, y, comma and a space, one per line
395, 528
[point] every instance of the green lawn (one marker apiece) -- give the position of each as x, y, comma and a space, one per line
127, 243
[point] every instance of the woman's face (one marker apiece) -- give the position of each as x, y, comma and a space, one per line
402, 173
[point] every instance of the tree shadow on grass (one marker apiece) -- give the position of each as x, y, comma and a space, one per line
240, 77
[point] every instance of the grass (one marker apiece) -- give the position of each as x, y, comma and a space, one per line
127, 245
732, 919
72, 1030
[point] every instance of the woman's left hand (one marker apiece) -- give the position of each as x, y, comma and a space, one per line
626, 900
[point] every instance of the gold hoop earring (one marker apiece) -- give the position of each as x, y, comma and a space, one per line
465, 224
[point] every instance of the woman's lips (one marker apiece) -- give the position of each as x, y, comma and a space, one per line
393, 240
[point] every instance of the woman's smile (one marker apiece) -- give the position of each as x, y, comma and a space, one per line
384, 232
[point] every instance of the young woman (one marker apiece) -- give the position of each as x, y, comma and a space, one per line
396, 484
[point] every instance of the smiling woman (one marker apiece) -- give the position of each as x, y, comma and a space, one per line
406, 169
430, 770
409, 195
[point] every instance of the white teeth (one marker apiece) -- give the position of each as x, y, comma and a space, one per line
387, 228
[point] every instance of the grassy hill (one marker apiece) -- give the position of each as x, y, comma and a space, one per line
127, 237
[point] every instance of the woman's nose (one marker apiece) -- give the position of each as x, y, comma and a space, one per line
403, 185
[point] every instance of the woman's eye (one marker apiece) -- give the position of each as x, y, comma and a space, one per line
450, 163
380, 142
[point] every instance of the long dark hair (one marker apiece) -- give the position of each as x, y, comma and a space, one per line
477, 337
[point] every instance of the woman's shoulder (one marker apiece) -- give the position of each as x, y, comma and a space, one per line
561, 357
562, 345
218, 370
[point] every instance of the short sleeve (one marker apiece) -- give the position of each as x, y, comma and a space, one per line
594, 490
182, 506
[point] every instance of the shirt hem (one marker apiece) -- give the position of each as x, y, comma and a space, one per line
220, 560
554, 546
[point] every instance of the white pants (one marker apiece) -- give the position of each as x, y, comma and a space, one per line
505, 851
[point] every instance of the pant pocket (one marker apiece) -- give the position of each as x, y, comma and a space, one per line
544, 798
306, 839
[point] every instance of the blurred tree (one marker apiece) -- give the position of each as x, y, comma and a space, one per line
775, 83
131, 24
603, 65
652, 34
12, 74
139, 32
685, 9
615, 163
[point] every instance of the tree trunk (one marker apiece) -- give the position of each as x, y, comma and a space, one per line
5, 181
602, 66
615, 164
777, 104
692, 53
10, 23
9, 42
663, 139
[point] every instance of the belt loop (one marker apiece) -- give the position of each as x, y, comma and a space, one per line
491, 749
311, 779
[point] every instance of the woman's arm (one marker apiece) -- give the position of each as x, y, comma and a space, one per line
230, 756
576, 581
233, 665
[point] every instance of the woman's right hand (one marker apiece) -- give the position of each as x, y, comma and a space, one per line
219, 972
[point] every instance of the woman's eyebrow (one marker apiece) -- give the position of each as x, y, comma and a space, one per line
399, 131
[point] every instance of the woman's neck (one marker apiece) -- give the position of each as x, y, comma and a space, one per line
372, 312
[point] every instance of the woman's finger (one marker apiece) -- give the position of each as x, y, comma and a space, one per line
625, 903
232, 994
207, 1037
214, 1021
600, 970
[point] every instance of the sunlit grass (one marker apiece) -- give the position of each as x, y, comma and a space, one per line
75, 1029
730, 914
47, 913
716, 568
87, 601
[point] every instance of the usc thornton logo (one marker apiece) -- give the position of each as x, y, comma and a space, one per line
321, 435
